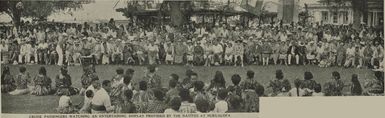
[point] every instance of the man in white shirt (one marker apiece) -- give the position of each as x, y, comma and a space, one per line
218, 50
25, 52
350, 55
101, 102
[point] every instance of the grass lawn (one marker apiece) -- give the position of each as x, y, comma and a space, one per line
47, 104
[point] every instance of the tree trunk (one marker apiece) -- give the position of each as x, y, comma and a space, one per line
16, 18
356, 19
176, 15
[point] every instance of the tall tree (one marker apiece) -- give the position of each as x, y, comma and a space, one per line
37, 9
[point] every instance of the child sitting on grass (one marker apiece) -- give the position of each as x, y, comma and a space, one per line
317, 90
221, 106
65, 104
86, 109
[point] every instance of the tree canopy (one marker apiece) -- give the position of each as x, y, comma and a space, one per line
37, 9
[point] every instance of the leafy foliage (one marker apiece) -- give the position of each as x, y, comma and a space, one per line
38, 9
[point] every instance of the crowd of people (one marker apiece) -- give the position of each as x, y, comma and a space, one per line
193, 44
188, 95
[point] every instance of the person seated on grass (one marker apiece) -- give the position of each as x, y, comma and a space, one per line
141, 98
221, 106
118, 91
199, 91
297, 91
202, 106
356, 89
101, 102
280, 86
63, 82
252, 90
157, 105
174, 105
88, 76
334, 86
7, 81
218, 82
176, 78
235, 89
375, 86
172, 91
22, 79
187, 105
154, 81
318, 90
65, 103
118, 78
128, 106
235, 104
42, 83
308, 83
86, 109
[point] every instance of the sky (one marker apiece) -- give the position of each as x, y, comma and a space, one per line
104, 10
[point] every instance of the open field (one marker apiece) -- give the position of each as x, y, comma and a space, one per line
47, 104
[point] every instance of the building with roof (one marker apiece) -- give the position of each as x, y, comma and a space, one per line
342, 14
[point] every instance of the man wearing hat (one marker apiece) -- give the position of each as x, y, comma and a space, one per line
117, 54
76, 50
190, 52
239, 51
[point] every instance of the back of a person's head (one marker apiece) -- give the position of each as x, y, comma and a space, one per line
130, 71
172, 83
202, 105
128, 94
119, 71
158, 94
89, 94
106, 83
126, 79
175, 77
236, 79
22, 69
279, 74
222, 94
235, 101
198, 85
185, 95
336, 75
175, 103
308, 75
297, 83
250, 74
318, 88
42, 71
143, 85
151, 68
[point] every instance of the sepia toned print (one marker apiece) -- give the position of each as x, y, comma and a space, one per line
185, 56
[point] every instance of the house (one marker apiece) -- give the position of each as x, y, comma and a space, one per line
342, 14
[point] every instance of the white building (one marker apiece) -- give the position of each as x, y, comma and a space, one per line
343, 14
